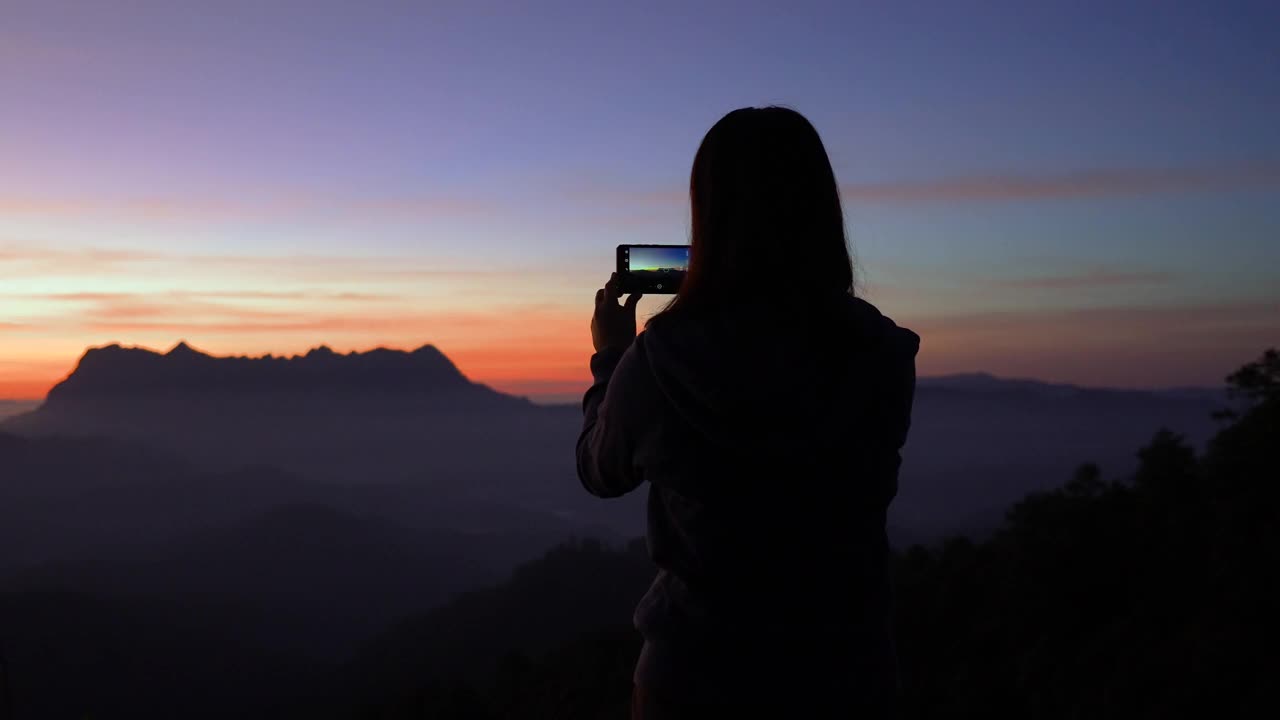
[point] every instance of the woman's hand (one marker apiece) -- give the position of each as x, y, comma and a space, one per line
613, 325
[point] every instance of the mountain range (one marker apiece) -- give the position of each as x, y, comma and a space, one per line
113, 370
411, 425
383, 418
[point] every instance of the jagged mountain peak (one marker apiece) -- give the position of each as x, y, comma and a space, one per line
116, 369
182, 349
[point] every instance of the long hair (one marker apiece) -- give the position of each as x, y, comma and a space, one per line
765, 215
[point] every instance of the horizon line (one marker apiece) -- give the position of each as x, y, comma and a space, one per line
566, 390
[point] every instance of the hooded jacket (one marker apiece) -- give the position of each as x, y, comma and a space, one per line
771, 445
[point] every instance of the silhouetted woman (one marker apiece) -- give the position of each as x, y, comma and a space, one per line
766, 407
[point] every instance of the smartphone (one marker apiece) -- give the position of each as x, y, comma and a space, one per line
652, 269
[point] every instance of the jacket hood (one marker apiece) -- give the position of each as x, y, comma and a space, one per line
767, 381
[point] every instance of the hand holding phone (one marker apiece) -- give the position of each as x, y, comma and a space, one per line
613, 326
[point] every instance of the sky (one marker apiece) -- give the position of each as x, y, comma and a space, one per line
1082, 192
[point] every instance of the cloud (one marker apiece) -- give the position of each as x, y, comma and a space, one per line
160, 304
1154, 316
532, 327
126, 314
996, 187
283, 295
1090, 183
267, 205
17, 252
495, 327
26, 260
1088, 279
288, 295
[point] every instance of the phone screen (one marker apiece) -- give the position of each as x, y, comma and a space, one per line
652, 268
657, 261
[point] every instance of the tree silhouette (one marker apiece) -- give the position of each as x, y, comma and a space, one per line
1130, 599
6, 701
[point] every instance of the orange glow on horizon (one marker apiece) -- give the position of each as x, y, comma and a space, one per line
544, 350
27, 389
538, 372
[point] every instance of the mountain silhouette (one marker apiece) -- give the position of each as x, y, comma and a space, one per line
986, 382
114, 370
413, 421
378, 417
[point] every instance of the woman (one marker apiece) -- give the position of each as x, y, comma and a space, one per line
766, 407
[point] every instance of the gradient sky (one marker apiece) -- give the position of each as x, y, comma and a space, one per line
1083, 192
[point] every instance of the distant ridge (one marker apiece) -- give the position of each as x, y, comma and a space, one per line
981, 382
986, 382
118, 370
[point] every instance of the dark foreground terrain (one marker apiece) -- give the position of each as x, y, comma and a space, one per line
1148, 597
138, 583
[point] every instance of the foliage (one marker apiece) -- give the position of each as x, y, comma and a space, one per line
1112, 600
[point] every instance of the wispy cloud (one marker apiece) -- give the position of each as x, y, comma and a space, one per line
267, 205
996, 187
140, 313
988, 187
469, 328
1089, 183
1088, 279
27, 260
24, 259
299, 295
1265, 313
